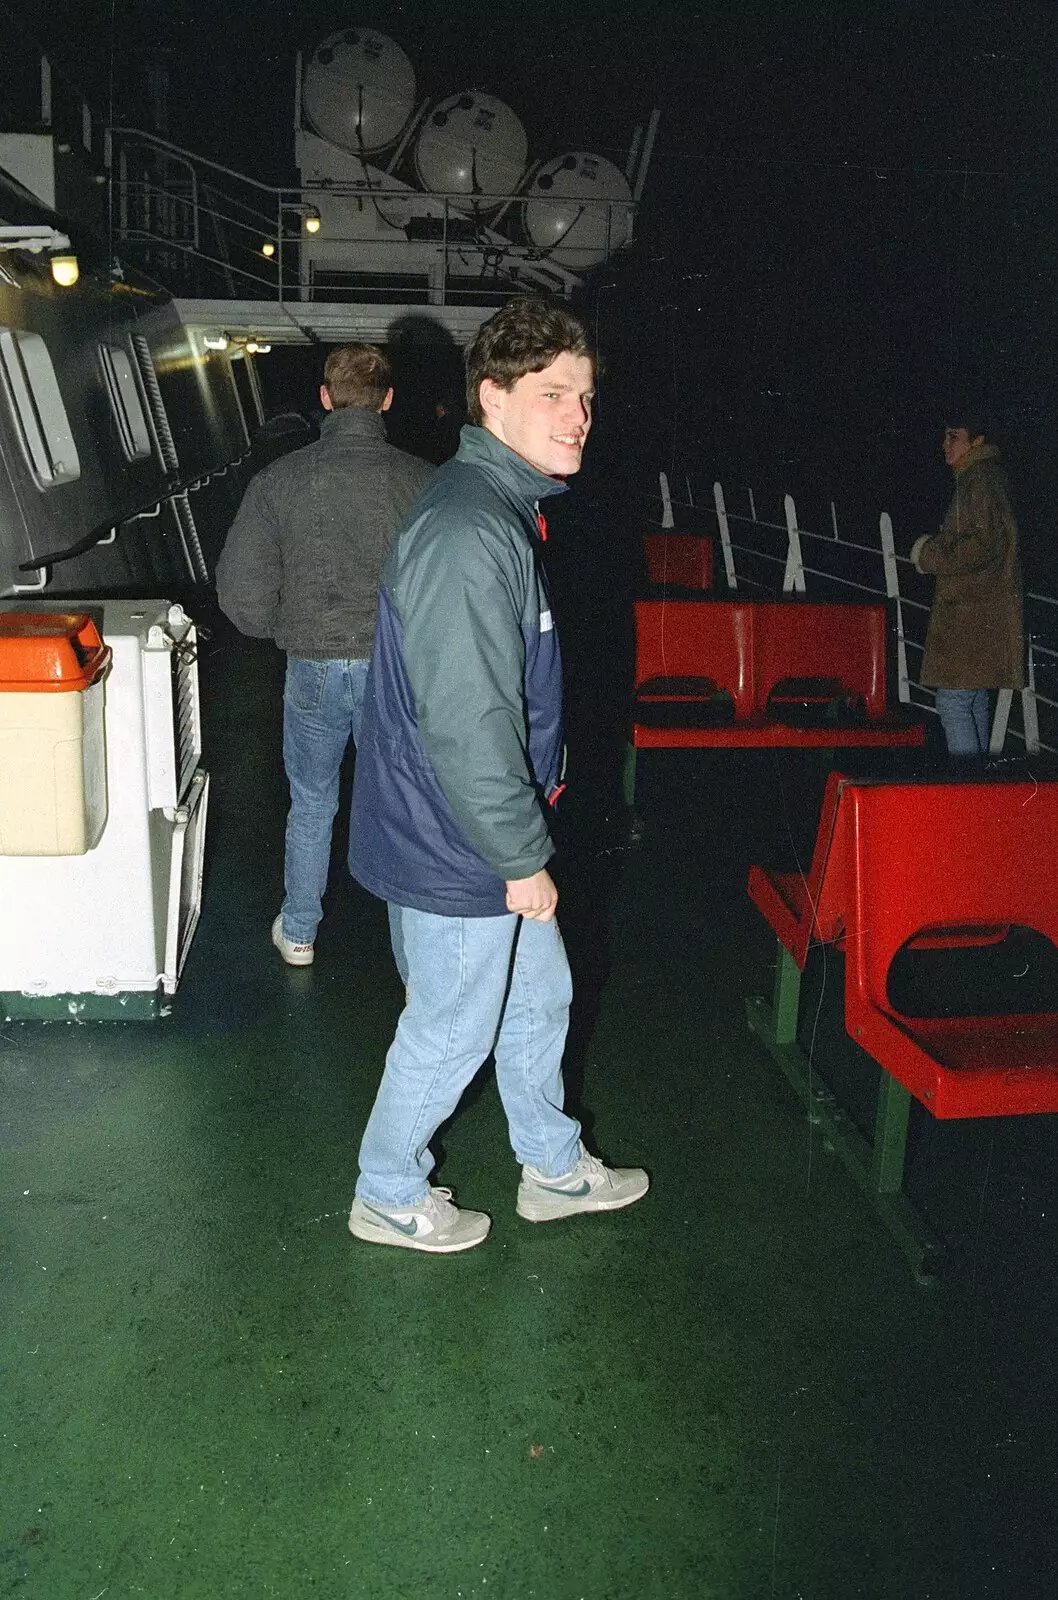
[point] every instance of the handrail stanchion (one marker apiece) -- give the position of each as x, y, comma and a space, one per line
793, 579
725, 535
666, 501
998, 736
1030, 720
892, 589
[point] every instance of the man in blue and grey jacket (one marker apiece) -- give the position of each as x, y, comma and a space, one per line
457, 767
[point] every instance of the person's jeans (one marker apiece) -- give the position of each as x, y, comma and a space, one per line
467, 997
964, 716
322, 706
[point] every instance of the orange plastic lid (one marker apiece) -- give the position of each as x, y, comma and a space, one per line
50, 651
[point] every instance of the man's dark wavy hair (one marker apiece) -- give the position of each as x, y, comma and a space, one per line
525, 335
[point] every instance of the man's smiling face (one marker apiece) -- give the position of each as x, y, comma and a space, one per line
546, 416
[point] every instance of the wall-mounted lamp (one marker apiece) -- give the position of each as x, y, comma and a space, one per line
216, 341
39, 238
65, 269
268, 249
312, 221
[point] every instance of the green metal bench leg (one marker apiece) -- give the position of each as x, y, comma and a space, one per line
628, 776
890, 1136
877, 1168
787, 998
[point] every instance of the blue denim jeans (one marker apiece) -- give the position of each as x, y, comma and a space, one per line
322, 705
476, 984
964, 716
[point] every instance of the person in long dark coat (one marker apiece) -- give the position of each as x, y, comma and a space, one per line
974, 641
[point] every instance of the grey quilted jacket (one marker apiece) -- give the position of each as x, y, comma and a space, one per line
302, 560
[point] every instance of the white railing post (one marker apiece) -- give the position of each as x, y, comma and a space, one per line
793, 578
892, 589
725, 536
1030, 720
666, 501
998, 736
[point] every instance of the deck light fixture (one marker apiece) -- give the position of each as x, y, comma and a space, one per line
65, 269
216, 341
41, 239
268, 249
312, 221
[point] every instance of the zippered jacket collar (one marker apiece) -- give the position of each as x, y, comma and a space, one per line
480, 448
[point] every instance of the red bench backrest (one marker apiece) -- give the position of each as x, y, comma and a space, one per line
679, 558
945, 855
698, 638
798, 639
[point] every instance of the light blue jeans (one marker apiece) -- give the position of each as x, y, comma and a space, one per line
322, 706
476, 984
964, 716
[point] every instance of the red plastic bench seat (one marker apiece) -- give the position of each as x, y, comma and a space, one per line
759, 733
802, 909
778, 662
920, 865
978, 1066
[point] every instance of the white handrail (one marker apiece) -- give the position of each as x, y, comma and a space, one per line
788, 554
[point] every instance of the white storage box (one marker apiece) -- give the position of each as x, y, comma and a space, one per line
53, 796
106, 934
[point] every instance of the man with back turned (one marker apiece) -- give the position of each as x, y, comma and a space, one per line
301, 565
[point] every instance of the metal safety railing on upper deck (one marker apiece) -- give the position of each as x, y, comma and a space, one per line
754, 549
209, 231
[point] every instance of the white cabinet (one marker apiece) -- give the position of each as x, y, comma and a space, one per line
106, 934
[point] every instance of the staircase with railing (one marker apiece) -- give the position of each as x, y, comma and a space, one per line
294, 264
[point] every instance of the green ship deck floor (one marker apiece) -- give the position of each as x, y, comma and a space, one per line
732, 1391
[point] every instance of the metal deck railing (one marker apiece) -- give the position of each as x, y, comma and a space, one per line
209, 231
767, 557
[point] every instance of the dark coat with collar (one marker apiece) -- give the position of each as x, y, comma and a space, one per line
974, 639
461, 742
302, 561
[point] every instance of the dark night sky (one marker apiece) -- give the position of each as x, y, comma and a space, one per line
850, 217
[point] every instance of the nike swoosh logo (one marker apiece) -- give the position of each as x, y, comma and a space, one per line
571, 1194
409, 1228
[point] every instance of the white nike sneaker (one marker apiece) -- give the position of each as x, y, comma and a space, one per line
435, 1225
295, 955
589, 1187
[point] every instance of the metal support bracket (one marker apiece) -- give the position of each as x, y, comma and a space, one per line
877, 1168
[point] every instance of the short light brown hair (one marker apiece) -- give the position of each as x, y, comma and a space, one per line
525, 335
357, 375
